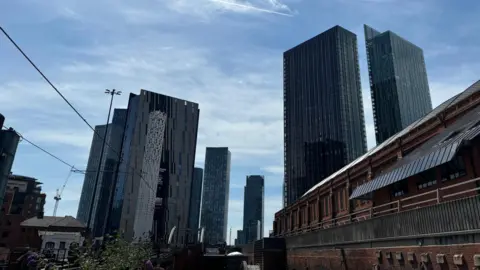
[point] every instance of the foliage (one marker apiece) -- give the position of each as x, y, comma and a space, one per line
32, 260
116, 254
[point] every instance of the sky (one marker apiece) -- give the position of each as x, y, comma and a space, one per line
225, 55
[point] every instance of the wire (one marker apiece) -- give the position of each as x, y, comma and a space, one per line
68, 102
41, 149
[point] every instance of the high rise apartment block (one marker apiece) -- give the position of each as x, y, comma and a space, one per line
216, 186
9, 140
323, 110
253, 207
195, 203
159, 154
398, 82
107, 177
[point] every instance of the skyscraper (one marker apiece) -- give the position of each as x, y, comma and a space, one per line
159, 154
398, 82
216, 186
253, 207
324, 123
195, 202
9, 140
107, 175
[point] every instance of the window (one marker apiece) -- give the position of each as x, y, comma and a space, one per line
327, 206
62, 245
429, 178
300, 217
400, 188
454, 169
341, 197
309, 214
49, 245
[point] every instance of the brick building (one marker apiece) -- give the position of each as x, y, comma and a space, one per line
23, 200
409, 202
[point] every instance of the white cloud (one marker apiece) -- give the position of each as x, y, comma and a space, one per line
274, 169
241, 6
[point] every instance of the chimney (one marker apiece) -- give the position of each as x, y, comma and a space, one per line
40, 215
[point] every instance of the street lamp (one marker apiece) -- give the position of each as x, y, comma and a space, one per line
112, 93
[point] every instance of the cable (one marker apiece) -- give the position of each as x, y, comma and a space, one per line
68, 102
41, 149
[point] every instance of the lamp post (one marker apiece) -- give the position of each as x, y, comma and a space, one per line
112, 93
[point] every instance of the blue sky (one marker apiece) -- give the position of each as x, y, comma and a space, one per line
225, 55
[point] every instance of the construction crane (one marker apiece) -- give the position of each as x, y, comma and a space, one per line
58, 196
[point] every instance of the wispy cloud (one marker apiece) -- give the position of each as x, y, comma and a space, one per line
247, 6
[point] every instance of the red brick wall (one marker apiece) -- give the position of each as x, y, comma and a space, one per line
363, 259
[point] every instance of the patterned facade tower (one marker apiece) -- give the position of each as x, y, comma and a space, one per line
151, 162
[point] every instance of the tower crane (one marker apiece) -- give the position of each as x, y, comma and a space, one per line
58, 196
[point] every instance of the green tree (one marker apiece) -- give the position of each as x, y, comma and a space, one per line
116, 254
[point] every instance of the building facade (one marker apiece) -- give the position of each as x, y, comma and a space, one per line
253, 207
216, 187
9, 140
159, 150
23, 200
400, 198
398, 82
195, 203
240, 240
53, 235
323, 110
107, 176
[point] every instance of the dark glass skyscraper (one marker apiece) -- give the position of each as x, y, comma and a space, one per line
9, 140
324, 123
107, 177
216, 186
253, 207
195, 202
398, 82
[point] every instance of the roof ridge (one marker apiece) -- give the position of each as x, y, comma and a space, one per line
57, 221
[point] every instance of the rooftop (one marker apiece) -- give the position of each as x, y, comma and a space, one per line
46, 222
474, 88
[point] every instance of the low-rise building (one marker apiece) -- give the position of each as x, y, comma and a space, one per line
407, 197
23, 200
54, 234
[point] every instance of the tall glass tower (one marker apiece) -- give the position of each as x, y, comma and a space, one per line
253, 208
216, 186
324, 123
398, 82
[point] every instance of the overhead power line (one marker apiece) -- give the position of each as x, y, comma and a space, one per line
42, 149
69, 103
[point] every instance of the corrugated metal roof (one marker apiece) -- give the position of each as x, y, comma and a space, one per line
436, 151
434, 113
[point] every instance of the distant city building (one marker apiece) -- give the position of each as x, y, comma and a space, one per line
216, 186
107, 177
253, 207
9, 140
323, 110
159, 154
240, 238
195, 202
23, 200
398, 82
